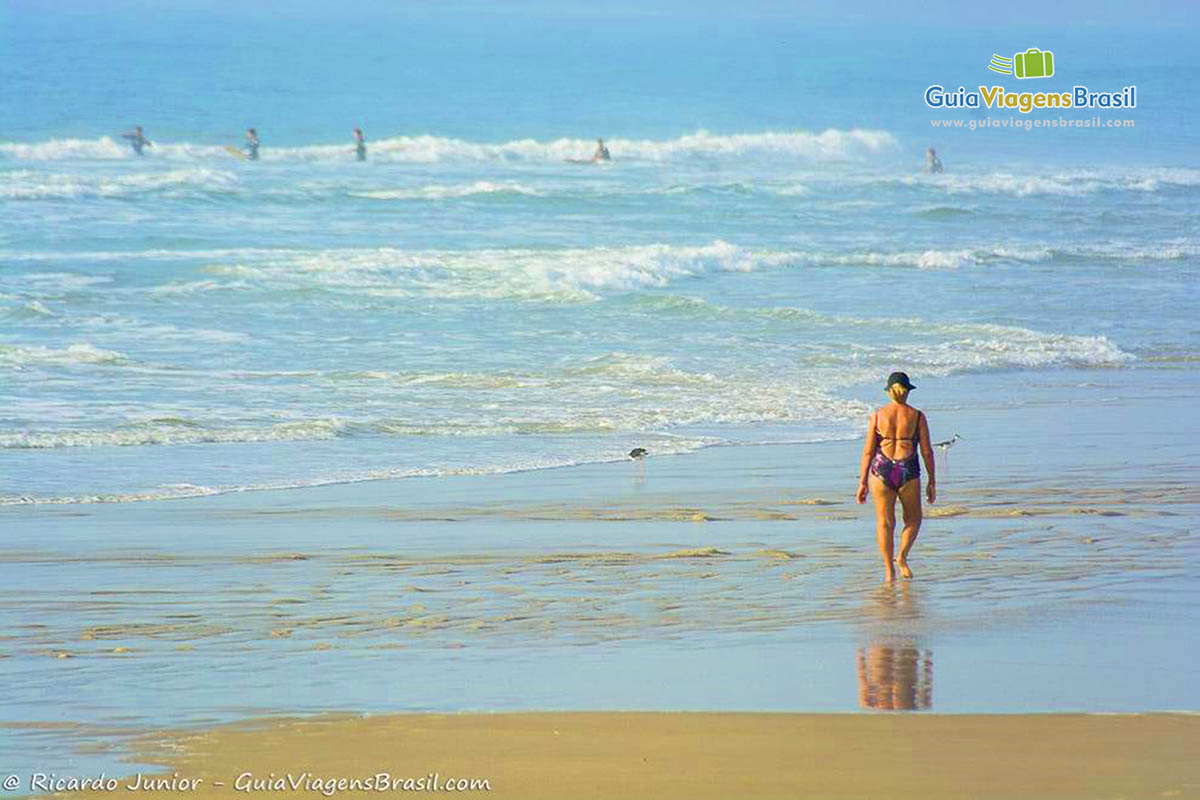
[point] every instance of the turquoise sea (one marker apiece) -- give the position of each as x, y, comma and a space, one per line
470, 303
762, 246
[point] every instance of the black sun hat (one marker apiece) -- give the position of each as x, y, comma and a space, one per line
900, 378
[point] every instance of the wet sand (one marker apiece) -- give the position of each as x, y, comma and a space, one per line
740, 578
627, 756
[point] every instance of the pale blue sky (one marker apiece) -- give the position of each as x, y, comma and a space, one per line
949, 13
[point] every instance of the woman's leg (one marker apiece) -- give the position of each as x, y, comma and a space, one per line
910, 502
885, 523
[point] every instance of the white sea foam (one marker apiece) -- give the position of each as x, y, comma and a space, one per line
133, 255
661, 445
439, 192
54, 149
561, 275
35, 307
31, 310
38, 185
54, 281
194, 287
1011, 347
613, 392
1123, 251
940, 348
823, 146
921, 259
105, 148
154, 331
170, 432
827, 145
1066, 184
566, 275
545, 275
82, 353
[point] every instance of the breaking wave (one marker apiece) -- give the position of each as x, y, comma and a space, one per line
1065, 184
439, 192
34, 185
824, 146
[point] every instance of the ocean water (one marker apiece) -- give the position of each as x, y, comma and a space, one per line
761, 250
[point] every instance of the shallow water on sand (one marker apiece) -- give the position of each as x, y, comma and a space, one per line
732, 578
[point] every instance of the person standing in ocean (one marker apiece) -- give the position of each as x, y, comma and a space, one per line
933, 164
891, 469
252, 144
137, 140
360, 145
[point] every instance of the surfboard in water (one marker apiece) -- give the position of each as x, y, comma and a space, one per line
233, 151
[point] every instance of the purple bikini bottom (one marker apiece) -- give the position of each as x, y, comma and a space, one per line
895, 473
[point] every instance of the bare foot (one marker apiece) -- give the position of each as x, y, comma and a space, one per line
904, 570
889, 574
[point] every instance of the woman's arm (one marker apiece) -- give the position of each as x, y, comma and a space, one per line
930, 462
867, 454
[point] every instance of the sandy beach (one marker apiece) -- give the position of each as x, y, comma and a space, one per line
654, 755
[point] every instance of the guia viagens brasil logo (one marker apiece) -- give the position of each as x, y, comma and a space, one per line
1031, 63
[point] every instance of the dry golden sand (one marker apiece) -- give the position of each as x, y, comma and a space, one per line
628, 756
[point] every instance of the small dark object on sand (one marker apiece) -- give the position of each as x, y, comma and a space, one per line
638, 453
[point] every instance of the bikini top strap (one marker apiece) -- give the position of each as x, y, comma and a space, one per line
916, 436
878, 433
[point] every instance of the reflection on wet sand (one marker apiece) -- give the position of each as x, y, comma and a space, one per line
895, 673
895, 678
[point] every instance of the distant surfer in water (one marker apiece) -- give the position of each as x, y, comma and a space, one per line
360, 145
933, 165
601, 152
252, 144
137, 140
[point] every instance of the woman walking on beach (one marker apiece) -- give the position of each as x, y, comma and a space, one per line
889, 462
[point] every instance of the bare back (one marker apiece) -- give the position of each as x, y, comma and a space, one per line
897, 428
